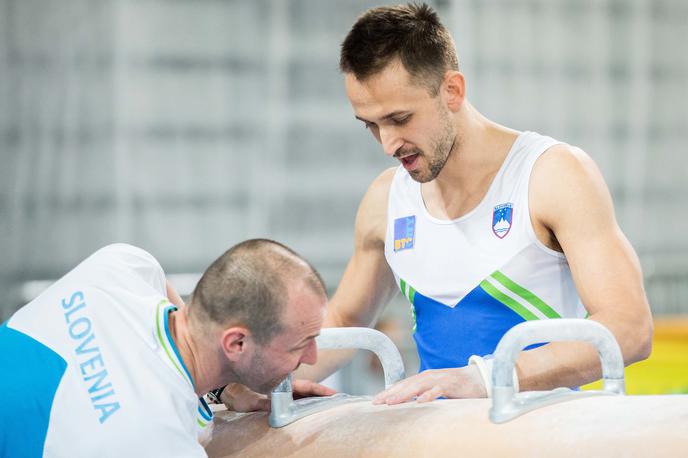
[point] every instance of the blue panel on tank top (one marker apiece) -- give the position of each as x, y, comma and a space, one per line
447, 337
30, 374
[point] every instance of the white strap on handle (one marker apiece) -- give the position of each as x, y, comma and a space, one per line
484, 366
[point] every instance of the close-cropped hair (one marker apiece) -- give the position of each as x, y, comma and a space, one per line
412, 33
248, 285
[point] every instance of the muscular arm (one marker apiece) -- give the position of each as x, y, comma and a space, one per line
571, 208
367, 284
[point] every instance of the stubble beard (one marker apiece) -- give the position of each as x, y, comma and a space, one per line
257, 376
442, 146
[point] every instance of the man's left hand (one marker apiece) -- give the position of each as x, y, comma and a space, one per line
462, 382
303, 388
240, 398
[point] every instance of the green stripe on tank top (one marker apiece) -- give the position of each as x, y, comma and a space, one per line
520, 291
411, 296
407, 290
506, 300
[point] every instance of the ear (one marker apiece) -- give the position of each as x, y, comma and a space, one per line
454, 87
236, 342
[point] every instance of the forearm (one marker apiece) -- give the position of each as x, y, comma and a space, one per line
558, 364
572, 364
329, 362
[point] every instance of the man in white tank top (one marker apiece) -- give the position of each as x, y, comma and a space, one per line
480, 227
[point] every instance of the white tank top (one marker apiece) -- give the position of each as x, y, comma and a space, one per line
471, 279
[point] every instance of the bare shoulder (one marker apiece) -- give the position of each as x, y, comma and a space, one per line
371, 219
378, 191
566, 162
565, 176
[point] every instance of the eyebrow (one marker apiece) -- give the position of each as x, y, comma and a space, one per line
387, 116
306, 339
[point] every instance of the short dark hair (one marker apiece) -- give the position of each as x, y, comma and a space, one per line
248, 285
411, 32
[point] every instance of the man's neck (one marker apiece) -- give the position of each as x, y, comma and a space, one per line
189, 352
478, 153
480, 149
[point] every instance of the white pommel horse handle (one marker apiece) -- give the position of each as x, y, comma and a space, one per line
283, 408
507, 405
366, 339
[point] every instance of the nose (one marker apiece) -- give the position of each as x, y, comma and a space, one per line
310, 354
390, 141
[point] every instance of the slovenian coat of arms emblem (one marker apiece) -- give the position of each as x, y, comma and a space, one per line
502, 217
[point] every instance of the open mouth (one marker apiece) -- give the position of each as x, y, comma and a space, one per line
409, 161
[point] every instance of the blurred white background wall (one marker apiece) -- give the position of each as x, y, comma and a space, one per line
185, 126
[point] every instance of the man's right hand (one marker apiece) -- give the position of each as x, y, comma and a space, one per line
240, 398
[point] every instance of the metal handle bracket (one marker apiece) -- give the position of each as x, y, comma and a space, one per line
506, 404
285, 410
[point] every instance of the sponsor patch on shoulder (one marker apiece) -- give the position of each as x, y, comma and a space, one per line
404, 233
502, 217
